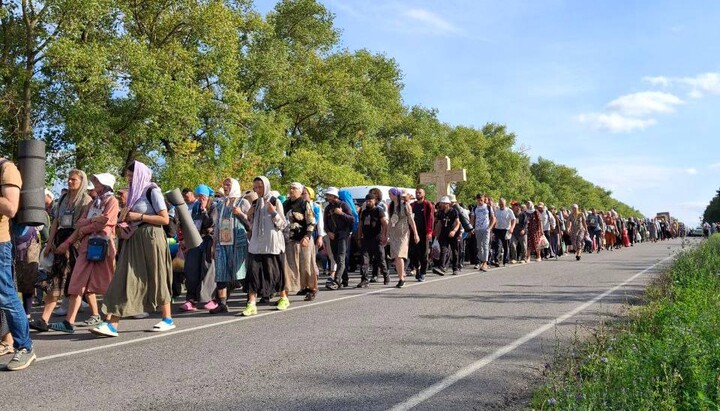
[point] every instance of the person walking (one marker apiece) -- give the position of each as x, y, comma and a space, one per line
594, 226
518, 242
266, 248
10, 305
577, 229
424, 214
339, 220
95, 265
447, 226
231, 244
400, 229
143, 274
482, 219
534, 231
199, 261
502, 231
68, 212
373, 234
300, 248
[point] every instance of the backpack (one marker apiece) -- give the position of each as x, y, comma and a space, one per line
464, 220
171, 228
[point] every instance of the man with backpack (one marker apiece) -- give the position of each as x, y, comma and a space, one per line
338, 220
594, 225
10, 184
465, 227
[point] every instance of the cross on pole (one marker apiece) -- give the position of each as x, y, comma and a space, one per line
443, 176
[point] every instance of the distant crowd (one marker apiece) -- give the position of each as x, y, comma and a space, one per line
128, 246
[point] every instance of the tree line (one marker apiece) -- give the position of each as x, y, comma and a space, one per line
202, 89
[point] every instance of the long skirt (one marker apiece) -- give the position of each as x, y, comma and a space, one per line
265, 274
610, 239
230, 260
63, 265
143, 275
300, 267
92, 276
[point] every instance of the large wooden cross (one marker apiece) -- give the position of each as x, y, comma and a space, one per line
443, 176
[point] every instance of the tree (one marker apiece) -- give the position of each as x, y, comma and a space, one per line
712, 211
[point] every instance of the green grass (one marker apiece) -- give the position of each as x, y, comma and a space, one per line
666, 356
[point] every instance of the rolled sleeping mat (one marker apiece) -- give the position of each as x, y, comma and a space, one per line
191, 236
31, 163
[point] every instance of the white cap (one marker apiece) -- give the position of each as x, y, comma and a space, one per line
445, 200
106, 179
332, 191
50, 194
452, 198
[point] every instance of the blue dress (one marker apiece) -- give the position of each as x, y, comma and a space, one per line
230, 259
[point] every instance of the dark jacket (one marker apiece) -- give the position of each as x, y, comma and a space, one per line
340, 225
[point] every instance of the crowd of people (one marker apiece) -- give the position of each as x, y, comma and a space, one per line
127, 245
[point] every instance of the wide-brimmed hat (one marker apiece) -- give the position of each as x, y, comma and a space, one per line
106, 179
445, 200
332, 191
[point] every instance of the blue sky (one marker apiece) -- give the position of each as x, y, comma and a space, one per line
627, 92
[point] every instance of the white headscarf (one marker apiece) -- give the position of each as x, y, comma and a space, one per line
530, 207
234, 189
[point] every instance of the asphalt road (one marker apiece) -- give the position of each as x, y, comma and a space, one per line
473, 341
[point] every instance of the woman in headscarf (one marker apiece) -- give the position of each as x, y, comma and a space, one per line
535, 231
67, 214
402, 225
610, 231
143, 273
577, 230
89, 278
318, 233
231, 242
200, 261
266, 248
300, 272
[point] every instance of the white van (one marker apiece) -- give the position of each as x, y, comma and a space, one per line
358, 193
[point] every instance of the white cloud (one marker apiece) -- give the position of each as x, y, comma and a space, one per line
707, 83
431, 20
691, 171
700, 85
615, 123
715, 166
644, 103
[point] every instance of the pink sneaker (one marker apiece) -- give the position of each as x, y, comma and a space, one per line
188, 306
211, 305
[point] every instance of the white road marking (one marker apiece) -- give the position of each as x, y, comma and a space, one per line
436, 388
260, 315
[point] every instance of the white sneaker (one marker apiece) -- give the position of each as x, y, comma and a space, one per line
104, 330
141, 316
163, 326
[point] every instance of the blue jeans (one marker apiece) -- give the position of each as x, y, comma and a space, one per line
482, 237
9, 301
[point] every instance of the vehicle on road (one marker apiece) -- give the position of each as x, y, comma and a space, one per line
696, 232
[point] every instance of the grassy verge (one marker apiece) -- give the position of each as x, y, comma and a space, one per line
665, 357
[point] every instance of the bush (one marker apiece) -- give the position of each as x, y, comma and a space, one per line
666, 357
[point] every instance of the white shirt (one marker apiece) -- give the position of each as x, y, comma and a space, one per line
482, 217
504, 218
